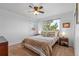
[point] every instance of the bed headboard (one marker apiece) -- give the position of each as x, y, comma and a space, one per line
50, 33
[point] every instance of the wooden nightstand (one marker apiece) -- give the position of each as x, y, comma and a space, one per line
63, 41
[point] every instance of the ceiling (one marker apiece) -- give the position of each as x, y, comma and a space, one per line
50, 9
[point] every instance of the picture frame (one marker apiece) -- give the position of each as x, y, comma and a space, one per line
66, 25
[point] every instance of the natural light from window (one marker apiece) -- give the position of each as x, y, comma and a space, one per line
52, 25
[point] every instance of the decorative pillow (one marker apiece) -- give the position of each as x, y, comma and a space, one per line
44, 34
56, 33
51, 34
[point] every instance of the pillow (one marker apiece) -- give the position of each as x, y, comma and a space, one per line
44, 34
57, 33
51, 34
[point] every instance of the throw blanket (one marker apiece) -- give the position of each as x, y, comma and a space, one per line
46, 48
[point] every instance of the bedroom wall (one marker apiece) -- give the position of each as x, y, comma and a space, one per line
66, 17
77, 40
14, 27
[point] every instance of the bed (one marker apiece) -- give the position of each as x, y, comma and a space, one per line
41, 45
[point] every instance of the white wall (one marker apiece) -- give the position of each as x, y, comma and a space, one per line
14, 27
77, 40
67, 17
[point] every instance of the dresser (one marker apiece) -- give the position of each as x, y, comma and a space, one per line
3, 46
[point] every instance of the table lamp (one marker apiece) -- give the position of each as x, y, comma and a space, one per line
63, 34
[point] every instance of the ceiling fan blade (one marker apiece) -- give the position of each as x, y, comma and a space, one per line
40, 7
30, 6
41, 11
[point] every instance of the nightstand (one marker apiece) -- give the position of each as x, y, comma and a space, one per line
63, 41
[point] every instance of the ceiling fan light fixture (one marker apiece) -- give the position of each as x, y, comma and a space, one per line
37, 9
36, 12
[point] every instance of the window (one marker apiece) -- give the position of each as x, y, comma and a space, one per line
52, 25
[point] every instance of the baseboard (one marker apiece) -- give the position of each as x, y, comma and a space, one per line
13, 43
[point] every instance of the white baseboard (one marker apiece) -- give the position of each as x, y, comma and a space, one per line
13, 43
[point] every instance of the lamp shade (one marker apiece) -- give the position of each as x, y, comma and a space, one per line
63, 33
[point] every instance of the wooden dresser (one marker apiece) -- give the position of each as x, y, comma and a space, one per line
3, 46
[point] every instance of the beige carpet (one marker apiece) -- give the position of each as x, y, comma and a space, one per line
18, 50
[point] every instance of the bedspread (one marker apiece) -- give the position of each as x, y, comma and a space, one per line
44, 46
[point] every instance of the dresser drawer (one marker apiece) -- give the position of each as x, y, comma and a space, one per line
4, 49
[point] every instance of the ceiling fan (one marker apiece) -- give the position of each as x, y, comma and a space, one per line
36, 9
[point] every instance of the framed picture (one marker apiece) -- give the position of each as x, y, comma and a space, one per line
66, 25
